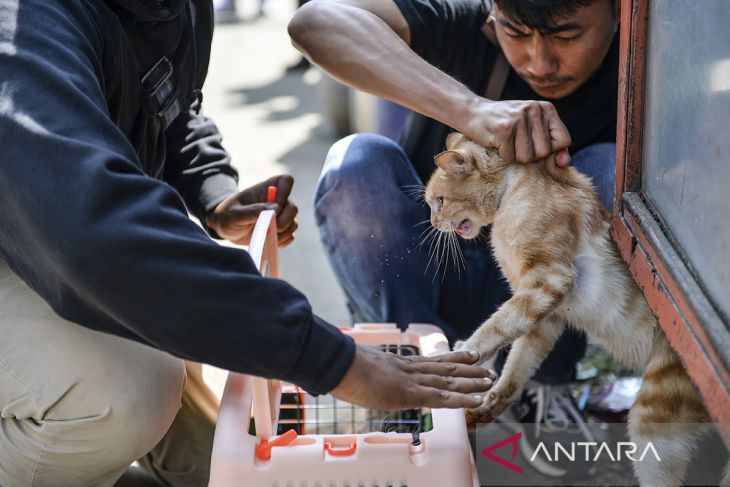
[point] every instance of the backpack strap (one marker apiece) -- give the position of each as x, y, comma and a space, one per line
500, 68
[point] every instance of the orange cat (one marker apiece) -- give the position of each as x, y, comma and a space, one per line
550, 236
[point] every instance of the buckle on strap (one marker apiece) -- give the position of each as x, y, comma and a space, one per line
160, 98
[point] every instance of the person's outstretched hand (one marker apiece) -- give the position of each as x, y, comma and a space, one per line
522, 131
235, 217
383, 380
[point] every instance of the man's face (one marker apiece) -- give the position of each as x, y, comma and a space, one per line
557, 62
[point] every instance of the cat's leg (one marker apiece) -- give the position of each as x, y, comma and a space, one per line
540, 290
525, 357
669, 414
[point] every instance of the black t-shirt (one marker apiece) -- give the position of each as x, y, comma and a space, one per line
447, 34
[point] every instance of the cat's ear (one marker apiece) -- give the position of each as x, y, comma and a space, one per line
455, 163
453, 139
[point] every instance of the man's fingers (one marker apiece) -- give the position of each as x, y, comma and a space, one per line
286, 215
285, 241
451, 369
468, 357
246, 214
559, 135
290, 228
436, 398
283, 183
456, 384
285, 238
562, 158
524, 150
506, 148
539, 133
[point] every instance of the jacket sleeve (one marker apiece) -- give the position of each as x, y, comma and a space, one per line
197, 165
112, 249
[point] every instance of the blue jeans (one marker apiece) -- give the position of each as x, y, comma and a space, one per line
371, 223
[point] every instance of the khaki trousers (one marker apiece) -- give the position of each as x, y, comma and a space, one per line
77, 407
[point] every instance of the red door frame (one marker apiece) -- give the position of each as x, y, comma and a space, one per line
689, 320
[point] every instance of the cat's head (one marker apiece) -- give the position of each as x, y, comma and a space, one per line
463, 192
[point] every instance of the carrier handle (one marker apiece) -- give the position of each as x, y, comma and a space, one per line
345, 451
263, 249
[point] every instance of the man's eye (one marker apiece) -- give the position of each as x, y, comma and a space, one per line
567, 38
515, 34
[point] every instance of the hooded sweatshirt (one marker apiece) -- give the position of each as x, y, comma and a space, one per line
95, 187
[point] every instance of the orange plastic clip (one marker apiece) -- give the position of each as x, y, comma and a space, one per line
271, 194
263, 449
340, 452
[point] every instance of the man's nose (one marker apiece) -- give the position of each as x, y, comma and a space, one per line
543, 63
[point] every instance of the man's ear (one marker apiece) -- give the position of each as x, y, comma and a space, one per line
454, 138
455, 163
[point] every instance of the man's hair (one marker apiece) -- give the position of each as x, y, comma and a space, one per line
541, 15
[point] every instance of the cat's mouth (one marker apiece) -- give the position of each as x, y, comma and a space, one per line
464, 227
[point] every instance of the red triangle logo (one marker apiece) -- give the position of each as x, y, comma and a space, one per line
487, 452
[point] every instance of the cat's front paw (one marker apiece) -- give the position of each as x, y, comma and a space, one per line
471, 345
494, 404
460, 346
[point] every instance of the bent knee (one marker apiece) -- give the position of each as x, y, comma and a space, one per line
359, 163
125, 411
357, 149
147, 405
95, 430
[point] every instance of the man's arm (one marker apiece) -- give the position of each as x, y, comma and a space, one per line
366, 44
197, 165
112, 249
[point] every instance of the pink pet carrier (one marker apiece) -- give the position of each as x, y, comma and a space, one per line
306, 441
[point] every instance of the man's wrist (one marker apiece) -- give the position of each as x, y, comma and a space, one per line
467, 108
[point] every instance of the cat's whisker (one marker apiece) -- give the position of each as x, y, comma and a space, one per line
431, 236
441, 257
424, 222
436, 244
460, 253
449, 248
430, 233
415, 190
456, 253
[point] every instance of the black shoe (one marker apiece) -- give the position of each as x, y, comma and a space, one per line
547, 414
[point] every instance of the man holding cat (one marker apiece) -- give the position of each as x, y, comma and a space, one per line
528, 77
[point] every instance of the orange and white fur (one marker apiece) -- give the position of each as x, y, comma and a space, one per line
550, 236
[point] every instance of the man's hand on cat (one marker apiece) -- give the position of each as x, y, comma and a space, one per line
382, 380
235, 217
522, 131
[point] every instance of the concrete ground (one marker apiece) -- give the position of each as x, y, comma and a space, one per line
272, 123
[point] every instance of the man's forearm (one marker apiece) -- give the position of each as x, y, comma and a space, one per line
358, 48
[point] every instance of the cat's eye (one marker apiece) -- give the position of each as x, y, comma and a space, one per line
439, 202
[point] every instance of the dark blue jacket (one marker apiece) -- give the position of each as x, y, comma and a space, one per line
94, 188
